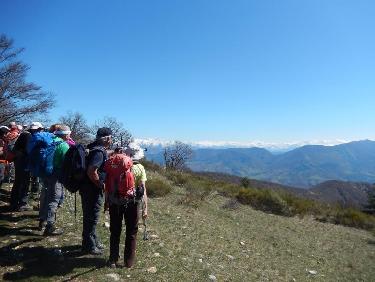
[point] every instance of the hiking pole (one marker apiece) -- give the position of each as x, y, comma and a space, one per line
145, 233
75, 206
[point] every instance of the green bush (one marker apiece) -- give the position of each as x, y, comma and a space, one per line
354, 218
157, 187
177, 177
151, 166
300, 206
264, 200
196, 192
228, 189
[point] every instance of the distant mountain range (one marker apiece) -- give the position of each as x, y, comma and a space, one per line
302, 167
156, 144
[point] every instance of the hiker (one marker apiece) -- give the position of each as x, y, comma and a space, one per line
125, 204
34, 128
10, 139
52, 189
71, 143
92, 190
20, 190
3, 163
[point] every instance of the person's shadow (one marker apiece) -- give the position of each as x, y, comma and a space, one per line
46, 262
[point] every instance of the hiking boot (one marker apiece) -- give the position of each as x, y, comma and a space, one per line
42, 224
112, 264
52, 231
94, 251
100, 246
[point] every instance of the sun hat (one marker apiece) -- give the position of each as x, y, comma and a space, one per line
36, 125
135, 151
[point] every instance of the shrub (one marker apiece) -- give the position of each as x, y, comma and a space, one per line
151, 166
245, 182
157, 187
228, 189
301, 206
196, 192
177, 177
231, 204
354, 218
264, 200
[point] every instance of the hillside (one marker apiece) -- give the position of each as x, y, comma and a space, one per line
303, 167
344, 193
190, 242
352, 194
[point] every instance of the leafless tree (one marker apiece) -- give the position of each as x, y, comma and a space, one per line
78, 125
120, 135
176, 155
19, 100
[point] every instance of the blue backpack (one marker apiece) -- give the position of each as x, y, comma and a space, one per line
41, 150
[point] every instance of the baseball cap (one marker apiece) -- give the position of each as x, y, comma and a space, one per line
103, 132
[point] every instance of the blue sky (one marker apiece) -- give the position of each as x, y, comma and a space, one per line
240, 70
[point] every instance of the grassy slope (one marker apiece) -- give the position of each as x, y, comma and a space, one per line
192, 244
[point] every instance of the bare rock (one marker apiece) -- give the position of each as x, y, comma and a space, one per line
113, 276
154, 236
152, 269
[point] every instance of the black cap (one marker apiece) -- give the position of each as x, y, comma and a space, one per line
103, 132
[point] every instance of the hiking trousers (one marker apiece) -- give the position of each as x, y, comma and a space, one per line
20, 190
2, 173
92, 202
49, 199
117, 213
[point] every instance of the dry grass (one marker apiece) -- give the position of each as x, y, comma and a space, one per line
190, 243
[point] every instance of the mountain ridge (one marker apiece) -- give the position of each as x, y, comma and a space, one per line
303, 167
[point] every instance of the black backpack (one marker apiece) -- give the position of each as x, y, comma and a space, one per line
73, 171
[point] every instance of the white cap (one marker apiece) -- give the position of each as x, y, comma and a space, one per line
5, 127
135, 151
36, 125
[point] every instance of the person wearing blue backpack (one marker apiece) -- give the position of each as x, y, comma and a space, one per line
52, 189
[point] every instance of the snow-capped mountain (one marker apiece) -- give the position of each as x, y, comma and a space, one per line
154, 143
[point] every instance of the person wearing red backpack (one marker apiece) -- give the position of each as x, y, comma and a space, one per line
122, 180
92, 190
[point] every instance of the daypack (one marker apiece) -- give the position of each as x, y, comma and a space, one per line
119, 181
41, 150
11, 141
73, 170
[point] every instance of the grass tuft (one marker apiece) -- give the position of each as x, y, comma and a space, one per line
158, 187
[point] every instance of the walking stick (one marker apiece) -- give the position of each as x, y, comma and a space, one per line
75, 206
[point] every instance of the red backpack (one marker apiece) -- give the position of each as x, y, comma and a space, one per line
119, 181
